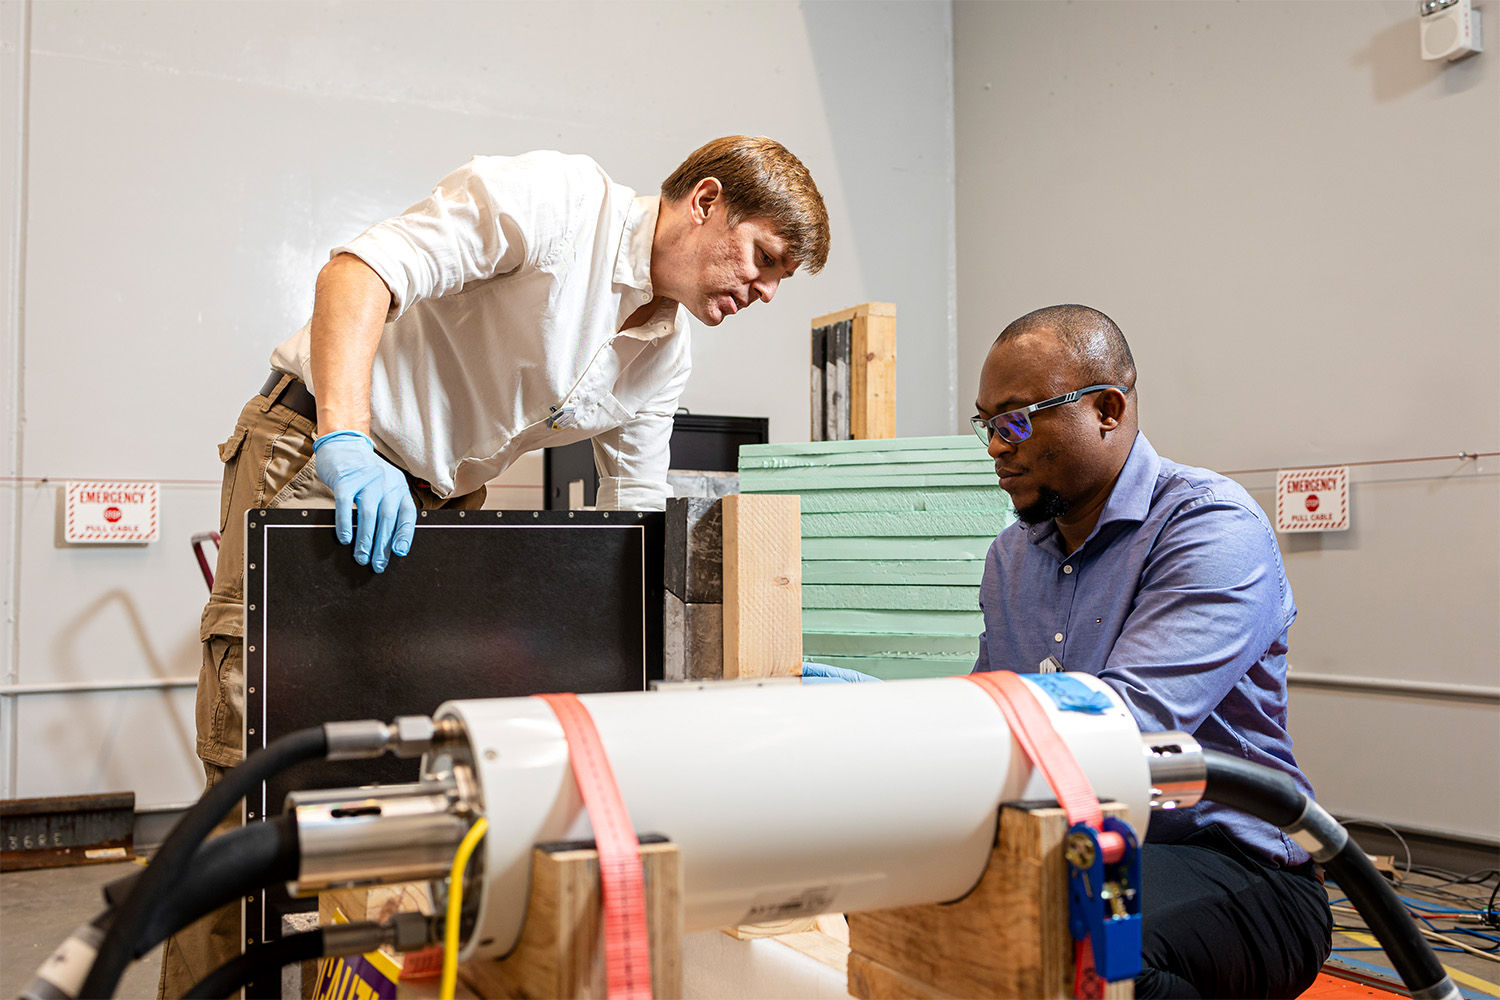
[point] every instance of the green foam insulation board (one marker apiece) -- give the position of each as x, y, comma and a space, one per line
912, 597
899, 499
902, 669
875, 572
894, 536
980, 523
861, 547
895, 459
808, 480
885, 621
891, 647
946, 443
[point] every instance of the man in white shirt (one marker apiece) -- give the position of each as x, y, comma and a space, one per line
528, 302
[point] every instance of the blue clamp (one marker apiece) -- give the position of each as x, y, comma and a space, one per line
1104, 900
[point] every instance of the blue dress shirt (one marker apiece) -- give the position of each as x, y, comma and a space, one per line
1179, 601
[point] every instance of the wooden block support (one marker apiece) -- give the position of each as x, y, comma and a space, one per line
1007, 938
762, 585
561, 951
872, 368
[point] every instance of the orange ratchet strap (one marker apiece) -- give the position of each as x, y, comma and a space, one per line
1045, 748
627, 948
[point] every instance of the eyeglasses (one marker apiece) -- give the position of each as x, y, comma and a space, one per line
1014, 426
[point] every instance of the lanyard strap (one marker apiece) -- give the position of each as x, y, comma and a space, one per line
1045, 748
627, 944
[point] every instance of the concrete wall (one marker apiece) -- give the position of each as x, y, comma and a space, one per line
173, 174
1295, 221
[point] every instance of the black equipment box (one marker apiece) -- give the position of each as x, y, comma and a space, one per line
487, 604
701, 442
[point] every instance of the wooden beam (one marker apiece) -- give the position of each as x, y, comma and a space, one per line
854, 312
762, 585
1007, 938
868, 397
872, 377
561, 951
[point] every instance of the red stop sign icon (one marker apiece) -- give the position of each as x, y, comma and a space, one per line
112, 514
1311, 501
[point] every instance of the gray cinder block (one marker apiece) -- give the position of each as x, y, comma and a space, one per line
674, 638
694, 640
694, 564
704, 638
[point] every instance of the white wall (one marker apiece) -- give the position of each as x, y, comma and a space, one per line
1295, 221
182, 168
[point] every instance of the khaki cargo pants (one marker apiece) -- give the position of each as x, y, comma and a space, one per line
268, 462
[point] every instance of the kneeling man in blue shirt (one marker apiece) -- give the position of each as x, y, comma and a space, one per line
1166, 582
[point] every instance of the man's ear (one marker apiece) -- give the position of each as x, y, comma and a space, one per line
1111, 409
707, 195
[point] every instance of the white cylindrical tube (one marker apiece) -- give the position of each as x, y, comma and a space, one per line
783, 800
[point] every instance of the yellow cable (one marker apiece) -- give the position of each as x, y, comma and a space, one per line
455, 906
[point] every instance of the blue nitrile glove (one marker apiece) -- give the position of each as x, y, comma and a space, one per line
822, 673
347, 462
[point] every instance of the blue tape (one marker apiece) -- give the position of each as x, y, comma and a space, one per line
1070, 694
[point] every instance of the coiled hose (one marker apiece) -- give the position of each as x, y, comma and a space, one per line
137, 913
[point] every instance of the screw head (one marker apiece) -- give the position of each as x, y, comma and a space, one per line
1080, 850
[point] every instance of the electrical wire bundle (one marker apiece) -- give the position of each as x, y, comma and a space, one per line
189, 878
1473, 915
1452, 920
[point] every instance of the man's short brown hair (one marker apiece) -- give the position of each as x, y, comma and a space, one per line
762, 180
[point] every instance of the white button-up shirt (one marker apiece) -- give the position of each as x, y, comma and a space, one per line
509, 288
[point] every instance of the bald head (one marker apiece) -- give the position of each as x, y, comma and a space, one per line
1064, 467
1092, 345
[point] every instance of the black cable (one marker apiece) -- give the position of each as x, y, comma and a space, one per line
257, 962
55, 978
1260, 791
1386, 916
223, 869
1272, 796
1446, 876
164, 874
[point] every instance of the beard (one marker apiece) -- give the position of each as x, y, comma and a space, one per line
1049, 504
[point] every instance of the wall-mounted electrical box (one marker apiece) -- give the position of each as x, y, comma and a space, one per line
1450, 29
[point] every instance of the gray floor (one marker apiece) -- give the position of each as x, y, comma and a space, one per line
39, 909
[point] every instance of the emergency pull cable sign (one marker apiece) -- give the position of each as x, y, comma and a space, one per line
1313, 499
111, 513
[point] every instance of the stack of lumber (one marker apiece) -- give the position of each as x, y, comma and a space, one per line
894, 535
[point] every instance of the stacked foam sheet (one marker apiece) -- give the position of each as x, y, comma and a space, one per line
894, 535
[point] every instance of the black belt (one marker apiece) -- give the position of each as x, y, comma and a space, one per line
294, 397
